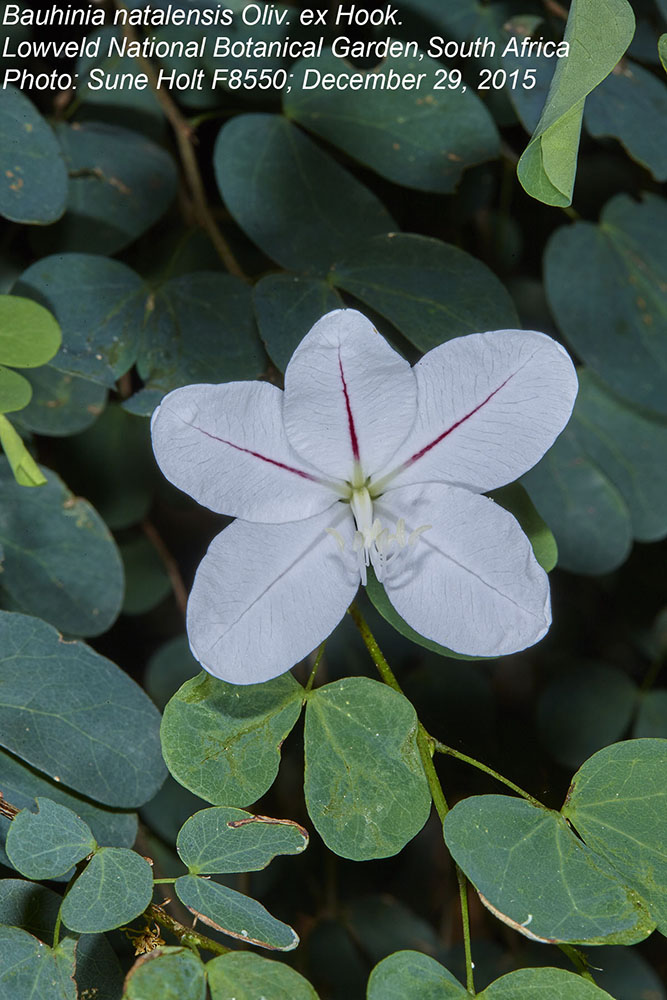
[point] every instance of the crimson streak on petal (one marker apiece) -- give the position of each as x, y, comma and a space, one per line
354, 441
257, 454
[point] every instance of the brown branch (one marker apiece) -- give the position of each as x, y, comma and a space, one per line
170, 564
185, 935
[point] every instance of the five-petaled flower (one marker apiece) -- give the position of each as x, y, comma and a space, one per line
365, 461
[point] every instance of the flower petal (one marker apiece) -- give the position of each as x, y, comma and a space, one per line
469, 582
265, 595
489, 406
225, 445
349, 397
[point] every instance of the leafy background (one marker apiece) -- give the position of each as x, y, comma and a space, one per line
151, 243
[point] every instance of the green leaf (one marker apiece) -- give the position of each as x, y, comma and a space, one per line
199, 328
170, 667
515, 499
121, 183
24, 468
30, 969
583, 710
631, 106
223, 741
21, 785
146, 580
246, 976
167, 973
617, 803
286, 307
34, 177
431, 291
61, 404
598, 36
290, 197
378, 597
588, 516
101, 323
543, 984
29, 334
61, 562
15, 391
612, 311
366, 791
662, 51
34, 908
412, 974
222, 840
422, 138
115, 887
73, 714
234, 914
629, 446
510, 850
47, 843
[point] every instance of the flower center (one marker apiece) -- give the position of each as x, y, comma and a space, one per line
374, 544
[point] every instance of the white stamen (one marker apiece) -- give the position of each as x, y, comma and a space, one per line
375, 545
339, 538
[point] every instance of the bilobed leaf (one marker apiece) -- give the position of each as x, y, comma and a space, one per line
33, 177
631, 106
583, 710
61, 562
246, 976
223, 741
290, 197
199, 328
47, 843
588, 516
422, 138
222, 840
23, 466
412, 974
617, 803
286, 307
598, 36
612, 311
61, 403
120, 184
101, 323
234, 914
15, 391
543, 984
430, 290
29, 334
75, 715
115, 887
167, 973
510, 850
34, 908
29, 968
365, 787
21, 785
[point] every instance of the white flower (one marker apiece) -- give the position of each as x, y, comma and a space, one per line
364, 461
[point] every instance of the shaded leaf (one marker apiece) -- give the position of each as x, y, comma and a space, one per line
598, 36
223, 741
224, 840
61, 404
234, 914
47, 843
29, 968
510, 850
167, 973
170, 667
430, 290
34, 177
411, 974
75, 715
115, 887
61, 562
366, 791
246, 976
543, 984
651, 715
421, 137
146, 580
286, 307
292, 199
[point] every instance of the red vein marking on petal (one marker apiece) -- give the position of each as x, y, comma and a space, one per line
422, 451
354, 441
257, 454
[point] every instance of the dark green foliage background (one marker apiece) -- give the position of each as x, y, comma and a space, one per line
199, 242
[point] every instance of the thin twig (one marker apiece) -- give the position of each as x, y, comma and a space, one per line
186, 935
170, 564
